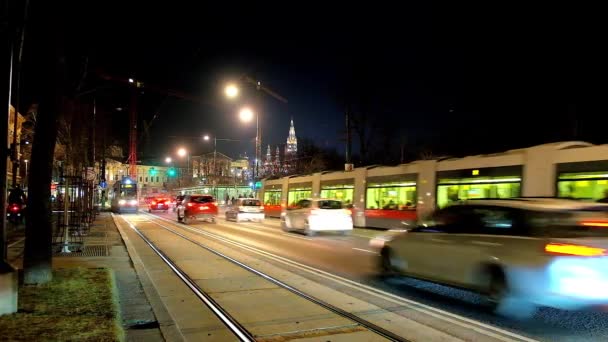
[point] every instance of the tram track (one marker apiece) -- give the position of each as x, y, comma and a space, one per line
240, 331
489, 331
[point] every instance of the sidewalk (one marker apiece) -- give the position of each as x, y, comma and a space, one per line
104, 248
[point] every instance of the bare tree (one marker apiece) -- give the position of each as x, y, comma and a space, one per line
48, 58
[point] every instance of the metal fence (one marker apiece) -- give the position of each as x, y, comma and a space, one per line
73, 213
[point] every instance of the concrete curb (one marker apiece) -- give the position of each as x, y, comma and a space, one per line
167, 324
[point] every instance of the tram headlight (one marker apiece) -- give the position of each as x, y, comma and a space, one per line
122, 202
133, 202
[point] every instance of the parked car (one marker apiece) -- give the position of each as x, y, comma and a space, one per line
316, 215
159, 203
246, 209
518, 253
197, 207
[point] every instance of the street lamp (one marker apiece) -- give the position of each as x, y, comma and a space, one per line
231, 91
168, 160
182, 153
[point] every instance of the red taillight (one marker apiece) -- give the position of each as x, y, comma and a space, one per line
153, 202
167, 202
14, 208
600, 224
577, 250
190, 204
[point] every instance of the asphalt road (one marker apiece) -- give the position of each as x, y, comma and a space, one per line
351, 257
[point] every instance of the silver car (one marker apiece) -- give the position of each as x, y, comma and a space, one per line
246, 209
315, 215
519, 253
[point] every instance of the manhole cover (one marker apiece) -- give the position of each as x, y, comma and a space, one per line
88, 251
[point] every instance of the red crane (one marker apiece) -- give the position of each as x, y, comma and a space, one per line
135, 86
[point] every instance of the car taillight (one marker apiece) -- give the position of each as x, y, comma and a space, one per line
576, 250
190, 204
153, 202
14, 208
167, 202
591, 223
261, 207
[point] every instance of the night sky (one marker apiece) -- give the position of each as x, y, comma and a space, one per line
452, 80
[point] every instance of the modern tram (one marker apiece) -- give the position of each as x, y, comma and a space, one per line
124, 196
388, 197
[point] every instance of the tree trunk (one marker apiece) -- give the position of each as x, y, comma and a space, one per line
48, 60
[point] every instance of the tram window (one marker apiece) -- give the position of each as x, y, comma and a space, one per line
272, 197
391, 197
447, 194
296, 195
345, 194
583, 189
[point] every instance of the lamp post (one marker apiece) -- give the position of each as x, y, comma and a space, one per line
246, 115
25, 181
182, 152
215, 140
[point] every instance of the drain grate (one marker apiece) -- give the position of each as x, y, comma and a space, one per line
88, 251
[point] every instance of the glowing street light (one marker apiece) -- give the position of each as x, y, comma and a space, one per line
206, 137
231, 91
168, 160
182, 152
246, 114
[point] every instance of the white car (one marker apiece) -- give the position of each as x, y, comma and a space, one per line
519, 253
246, 209
315, 215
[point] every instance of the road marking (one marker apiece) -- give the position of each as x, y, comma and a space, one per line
455, 319
365, 250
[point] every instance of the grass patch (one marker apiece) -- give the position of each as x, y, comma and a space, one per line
78, 305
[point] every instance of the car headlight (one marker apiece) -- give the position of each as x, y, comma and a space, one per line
122, 202
133, 202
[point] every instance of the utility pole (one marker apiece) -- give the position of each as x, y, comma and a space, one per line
348, 166
8, 275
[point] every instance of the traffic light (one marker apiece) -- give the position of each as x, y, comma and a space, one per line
171, 172
153, 172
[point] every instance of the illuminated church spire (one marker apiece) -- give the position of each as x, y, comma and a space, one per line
292, 141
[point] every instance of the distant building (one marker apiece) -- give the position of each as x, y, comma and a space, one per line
291, 149
23, 146
274, 164
151, 179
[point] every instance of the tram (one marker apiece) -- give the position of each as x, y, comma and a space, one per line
124, 196
390, 197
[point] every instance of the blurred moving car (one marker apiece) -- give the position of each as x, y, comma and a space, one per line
246, 209
197, 207
159, 203
315, 215
519, 253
